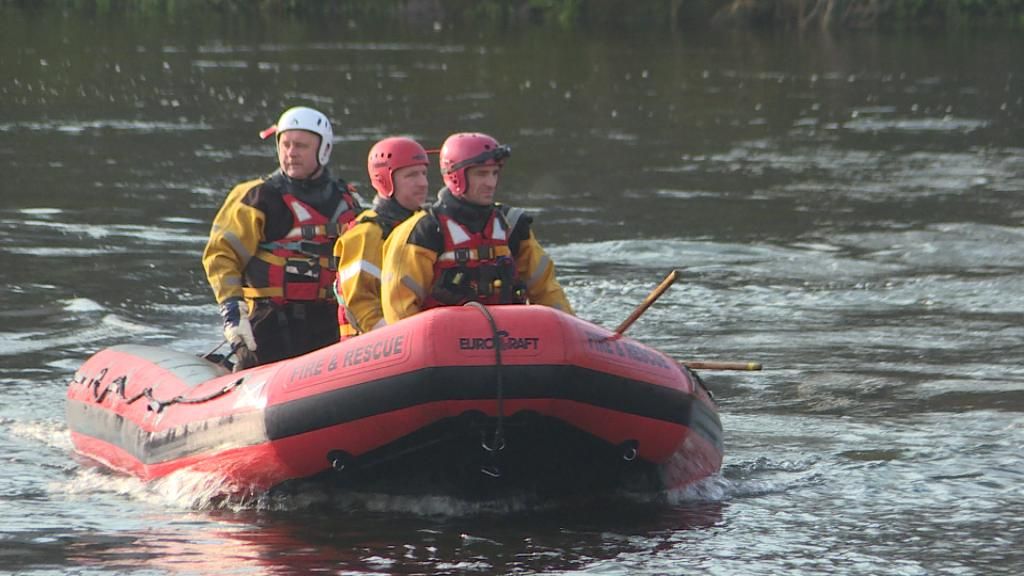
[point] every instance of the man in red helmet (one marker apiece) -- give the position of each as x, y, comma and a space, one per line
268, 258
466, 247
398, 171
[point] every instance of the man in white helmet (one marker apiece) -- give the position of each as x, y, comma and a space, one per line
269, 257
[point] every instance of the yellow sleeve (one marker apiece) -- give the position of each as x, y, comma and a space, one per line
536, 269
359, 252
235, 235
408, 272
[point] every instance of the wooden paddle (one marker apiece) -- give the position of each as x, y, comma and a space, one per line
651, 298
713, 365
691, 364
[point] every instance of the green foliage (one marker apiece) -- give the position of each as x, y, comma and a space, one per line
568, 14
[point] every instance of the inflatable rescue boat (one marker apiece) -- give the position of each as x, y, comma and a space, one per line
474, 401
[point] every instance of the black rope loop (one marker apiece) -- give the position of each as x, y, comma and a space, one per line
121, 381
498, 440
696, 377
95, 385
157, 405
118, 386
215, 394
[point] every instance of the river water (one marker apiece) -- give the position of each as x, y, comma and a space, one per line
846, 210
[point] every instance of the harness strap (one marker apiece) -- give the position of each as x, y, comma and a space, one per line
276, 292
303, 246
464, 255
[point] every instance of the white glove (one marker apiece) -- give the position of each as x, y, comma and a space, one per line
237, 329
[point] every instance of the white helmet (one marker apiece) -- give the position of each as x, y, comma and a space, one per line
310, 120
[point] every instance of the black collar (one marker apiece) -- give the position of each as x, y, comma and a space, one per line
317, 192
472, 216
390, 209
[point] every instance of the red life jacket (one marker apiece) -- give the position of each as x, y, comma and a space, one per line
475, 266
300, 266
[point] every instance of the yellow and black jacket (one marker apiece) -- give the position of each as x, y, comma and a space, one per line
359, 253
272, 239
456, 251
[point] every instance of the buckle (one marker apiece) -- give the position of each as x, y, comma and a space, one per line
315, 249
333, 230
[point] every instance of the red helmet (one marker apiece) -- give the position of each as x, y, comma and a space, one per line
389, 155
465, 149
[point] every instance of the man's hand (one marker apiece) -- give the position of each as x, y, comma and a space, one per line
237, 329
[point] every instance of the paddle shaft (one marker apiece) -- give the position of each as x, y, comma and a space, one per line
651, 298
215, 348
691, 364
712, 365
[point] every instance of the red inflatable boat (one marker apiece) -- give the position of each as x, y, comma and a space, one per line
476, 401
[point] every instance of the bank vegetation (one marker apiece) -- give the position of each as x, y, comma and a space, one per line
645, 14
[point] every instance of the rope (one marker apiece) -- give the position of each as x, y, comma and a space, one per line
498, 442
118, 385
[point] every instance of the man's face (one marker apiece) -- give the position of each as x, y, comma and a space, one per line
481, 183
297, 152
410, 186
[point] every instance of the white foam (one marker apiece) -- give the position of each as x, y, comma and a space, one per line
41, 211
124, 325
52, 434
82, 305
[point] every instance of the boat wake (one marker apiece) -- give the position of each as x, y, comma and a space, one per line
204, 491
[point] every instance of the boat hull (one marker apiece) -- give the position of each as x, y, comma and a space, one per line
428, 404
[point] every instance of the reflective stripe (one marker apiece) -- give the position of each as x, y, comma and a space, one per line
538, 273
351, 319
499, 231
513, 217
231, 281
458, 235
300, 212
416, 288
235, 242
353, 270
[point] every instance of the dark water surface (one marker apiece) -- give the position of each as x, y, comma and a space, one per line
846, 210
